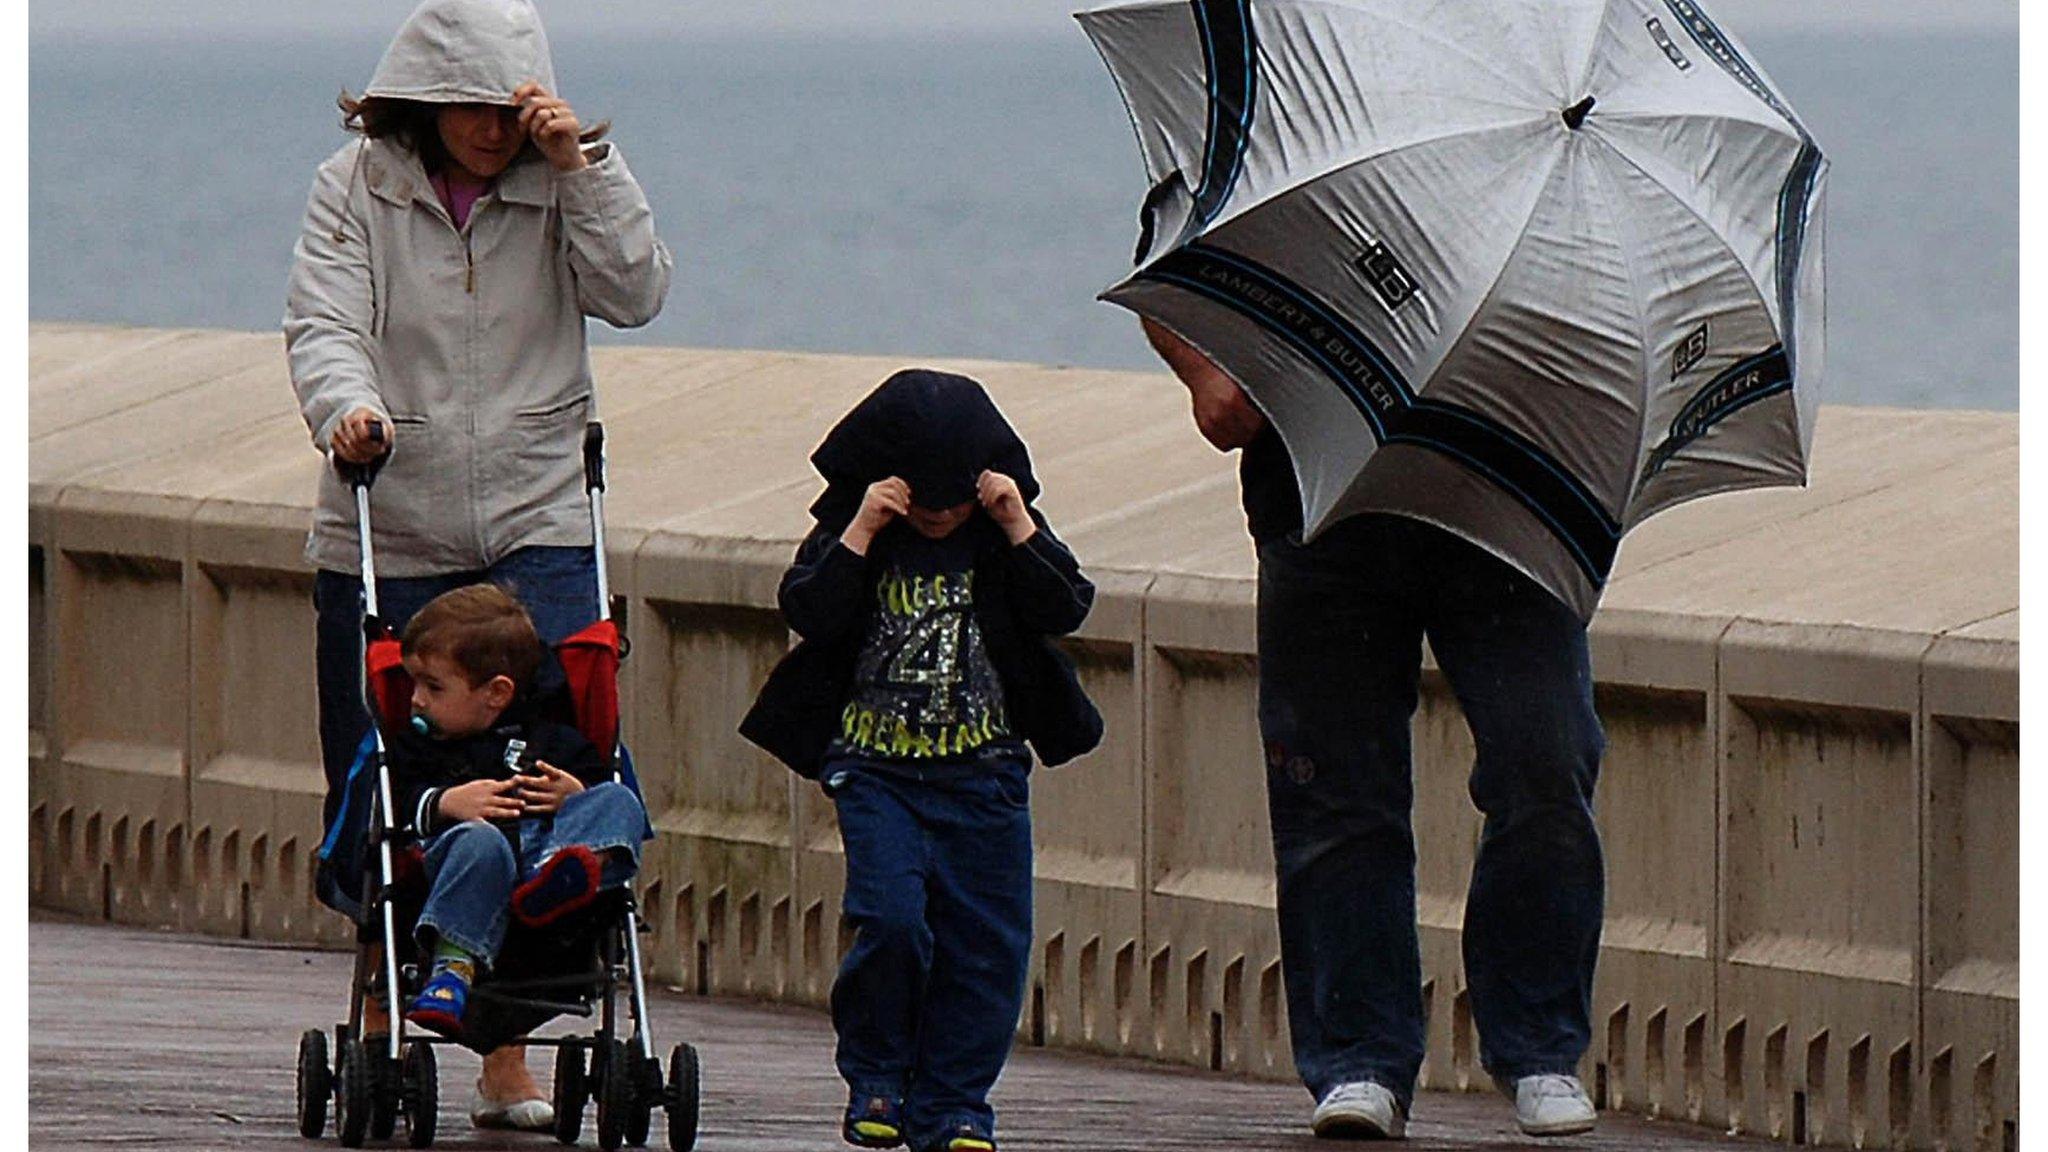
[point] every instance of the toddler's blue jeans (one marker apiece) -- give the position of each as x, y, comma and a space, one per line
473, 867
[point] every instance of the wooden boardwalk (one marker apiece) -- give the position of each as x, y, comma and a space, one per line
147, 1040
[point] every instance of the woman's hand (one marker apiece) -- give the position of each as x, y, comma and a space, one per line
480, 800
352, 439
552, 124
885, 501
542, 793
998, 494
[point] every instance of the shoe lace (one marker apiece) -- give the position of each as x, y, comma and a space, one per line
1347, 1093
1548, 1085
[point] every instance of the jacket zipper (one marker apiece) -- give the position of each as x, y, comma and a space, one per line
469, 263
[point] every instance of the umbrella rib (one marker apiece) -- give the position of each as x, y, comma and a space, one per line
1704, 223
1642, 319
1493, 287
1593, 49
1238, 210
1431, 36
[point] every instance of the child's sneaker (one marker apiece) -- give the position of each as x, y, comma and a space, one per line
873, 1122
439, 1005
565, 882
963, 1137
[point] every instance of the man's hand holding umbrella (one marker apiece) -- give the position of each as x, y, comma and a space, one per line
1227, 417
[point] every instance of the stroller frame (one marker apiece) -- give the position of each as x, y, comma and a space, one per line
373, 1084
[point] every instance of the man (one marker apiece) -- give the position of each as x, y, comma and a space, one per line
1341, 621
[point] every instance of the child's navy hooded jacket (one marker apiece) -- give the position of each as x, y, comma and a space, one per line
938, 432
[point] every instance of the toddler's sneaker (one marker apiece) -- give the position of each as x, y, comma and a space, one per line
962, 1137
439, 1005
565, 882
1552, 1105
1360, 1110
873, 1122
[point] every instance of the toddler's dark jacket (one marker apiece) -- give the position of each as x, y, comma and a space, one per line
422, 767
938, 432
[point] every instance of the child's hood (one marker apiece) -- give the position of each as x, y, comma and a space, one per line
936, 430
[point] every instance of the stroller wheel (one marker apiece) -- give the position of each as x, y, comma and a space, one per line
352, 1102
572, 1091
615, 1083
682, 1098
646, 1095
422, 1094
316, 1084
386, 1089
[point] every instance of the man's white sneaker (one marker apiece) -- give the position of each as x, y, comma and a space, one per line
1552, 1105
1361, 1110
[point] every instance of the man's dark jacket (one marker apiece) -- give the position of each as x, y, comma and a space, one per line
938, 432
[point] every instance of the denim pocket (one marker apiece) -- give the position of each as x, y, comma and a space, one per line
1013, 789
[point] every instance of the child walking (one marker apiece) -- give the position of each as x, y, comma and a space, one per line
519, 814
926, 598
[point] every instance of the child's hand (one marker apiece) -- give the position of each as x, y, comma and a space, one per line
479, 800
885, 501
544, 793
998, 493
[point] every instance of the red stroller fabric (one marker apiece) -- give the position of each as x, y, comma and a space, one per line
390, 684
590, 659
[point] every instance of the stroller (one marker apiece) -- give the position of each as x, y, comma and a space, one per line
576, 967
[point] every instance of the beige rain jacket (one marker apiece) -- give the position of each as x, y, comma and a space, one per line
471, 341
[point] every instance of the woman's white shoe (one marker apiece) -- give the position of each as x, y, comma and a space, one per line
523, 1115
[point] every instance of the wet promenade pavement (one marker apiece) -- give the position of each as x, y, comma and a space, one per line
147, 1040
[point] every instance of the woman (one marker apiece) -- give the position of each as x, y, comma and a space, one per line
436, 315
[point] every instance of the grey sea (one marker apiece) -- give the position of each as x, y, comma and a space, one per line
920, 196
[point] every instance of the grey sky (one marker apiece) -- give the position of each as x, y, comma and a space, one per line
596, 17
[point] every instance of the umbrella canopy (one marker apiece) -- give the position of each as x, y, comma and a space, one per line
1532, 270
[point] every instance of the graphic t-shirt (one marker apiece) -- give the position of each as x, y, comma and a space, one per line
924, 690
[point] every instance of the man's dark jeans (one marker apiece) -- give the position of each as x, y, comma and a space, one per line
938, 888
1340, 626
558, 586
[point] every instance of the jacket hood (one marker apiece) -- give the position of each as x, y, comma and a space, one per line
465, 51
936, 430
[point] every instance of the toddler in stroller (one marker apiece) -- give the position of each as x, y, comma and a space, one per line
515, 811
509, 836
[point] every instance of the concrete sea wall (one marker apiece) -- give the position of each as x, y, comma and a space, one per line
1810, 803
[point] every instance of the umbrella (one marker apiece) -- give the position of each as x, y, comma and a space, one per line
1532, 270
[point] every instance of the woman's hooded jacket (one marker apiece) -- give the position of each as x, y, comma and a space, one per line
470, 341
938, 432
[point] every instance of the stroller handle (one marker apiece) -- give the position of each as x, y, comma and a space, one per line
363, 475
593, 456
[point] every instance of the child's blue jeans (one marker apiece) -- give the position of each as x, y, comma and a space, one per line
473, 868
938, 888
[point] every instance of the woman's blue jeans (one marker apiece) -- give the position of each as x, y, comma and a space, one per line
558, 586
938, 889
1340, 628
473, 866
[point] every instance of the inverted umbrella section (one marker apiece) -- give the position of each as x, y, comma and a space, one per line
1574, 248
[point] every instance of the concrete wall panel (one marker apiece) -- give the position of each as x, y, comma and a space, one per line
724, 859
1970, 1003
